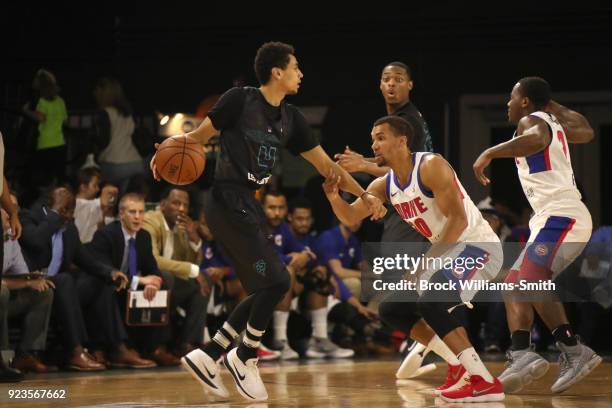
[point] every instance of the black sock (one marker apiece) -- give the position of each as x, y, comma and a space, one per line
221, 342
565, 335
521, 340
250, 343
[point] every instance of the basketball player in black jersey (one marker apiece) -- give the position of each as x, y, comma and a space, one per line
395, 85
254, 124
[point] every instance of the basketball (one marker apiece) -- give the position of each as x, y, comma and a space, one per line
180, 160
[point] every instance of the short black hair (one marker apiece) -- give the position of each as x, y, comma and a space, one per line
400, 127
166, 192
400, 64
273, 193
85, 175
299, 202
271, 55
537, 90
49, 196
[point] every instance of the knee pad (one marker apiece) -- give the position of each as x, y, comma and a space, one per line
399, 315
437, 317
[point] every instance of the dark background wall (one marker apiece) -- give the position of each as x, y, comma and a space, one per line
171, 59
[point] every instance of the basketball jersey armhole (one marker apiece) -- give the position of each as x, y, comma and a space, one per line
425, 190
388, 182
549, 129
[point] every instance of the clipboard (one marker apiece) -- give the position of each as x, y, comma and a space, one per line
141, 312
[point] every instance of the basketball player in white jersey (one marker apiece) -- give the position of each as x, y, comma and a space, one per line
426, 193
559, 229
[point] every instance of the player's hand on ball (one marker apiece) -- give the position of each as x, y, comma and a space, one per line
481, 163
152, 165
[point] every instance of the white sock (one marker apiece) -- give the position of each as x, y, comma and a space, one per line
280, 325
318, 319
473, 365
440, 348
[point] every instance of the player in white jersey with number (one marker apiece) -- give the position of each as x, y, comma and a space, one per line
559, 229
425, 191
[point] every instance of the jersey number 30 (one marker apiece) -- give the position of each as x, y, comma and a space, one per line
420, 225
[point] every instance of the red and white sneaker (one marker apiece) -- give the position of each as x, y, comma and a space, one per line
476, 390
455, 378
265, 354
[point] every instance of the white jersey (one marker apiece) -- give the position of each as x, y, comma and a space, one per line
416, 205
547, 176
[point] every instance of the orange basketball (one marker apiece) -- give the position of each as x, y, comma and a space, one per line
180, 160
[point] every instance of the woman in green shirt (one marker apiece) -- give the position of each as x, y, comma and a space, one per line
50, 155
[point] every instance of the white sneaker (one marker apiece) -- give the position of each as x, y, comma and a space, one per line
204, 369
246, 376
411, 364
287, 353
321, 348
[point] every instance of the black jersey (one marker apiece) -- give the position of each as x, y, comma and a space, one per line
252, 133
422, 138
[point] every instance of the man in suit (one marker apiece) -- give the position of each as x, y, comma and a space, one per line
28, 299
177, 250
124, 245
50, 241
7, 374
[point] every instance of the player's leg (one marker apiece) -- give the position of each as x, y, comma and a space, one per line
524, 365
559, 241
399, 311
481, 385
570, 235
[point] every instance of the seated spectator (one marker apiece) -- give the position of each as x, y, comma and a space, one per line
50, 243
126, 246
29, 300
176, 248
295, 256
8, 374
90, 212
340, 250
318, 286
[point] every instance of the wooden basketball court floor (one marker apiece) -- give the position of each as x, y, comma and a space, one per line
336, 383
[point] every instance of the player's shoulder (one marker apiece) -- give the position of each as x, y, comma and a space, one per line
538, 119
433, 165
432, 160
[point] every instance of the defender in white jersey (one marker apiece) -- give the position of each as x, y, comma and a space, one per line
425, 191
559, 229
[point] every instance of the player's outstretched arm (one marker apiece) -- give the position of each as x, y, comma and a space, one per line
324, 165
351, 213
577, 127
533, 136
202, 134
439, 177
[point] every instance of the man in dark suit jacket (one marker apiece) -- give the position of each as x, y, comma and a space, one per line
50, 242
124, 245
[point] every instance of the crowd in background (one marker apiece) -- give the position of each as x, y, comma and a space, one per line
91, 235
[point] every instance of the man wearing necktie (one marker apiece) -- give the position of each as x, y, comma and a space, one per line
50, 242
125, 245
